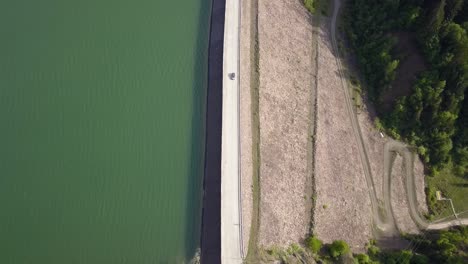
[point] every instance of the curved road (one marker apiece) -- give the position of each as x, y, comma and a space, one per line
231, 218
382, 212
382, 218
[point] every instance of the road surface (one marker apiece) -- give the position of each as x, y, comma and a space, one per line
383, 220
231, 218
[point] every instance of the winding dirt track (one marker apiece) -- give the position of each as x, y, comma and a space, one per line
383, 217
378, 212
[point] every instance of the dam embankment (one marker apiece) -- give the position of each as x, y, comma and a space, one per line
211, 214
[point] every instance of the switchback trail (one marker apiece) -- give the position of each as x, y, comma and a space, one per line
382, 212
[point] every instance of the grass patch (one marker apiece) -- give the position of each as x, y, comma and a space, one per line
356, 91
314, 244
451, 186
253, 251
310, 5
293, 254
322, 6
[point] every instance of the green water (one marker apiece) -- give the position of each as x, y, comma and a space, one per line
102, 130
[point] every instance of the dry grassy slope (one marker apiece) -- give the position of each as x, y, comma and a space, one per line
246, 121
285, 37
343, 209
339, 176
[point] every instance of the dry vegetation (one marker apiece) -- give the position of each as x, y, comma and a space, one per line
343, 204
285, 37
287, 75
246, 122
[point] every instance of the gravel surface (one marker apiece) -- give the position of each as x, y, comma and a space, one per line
375, 147
374, 144
343, 208
285, 39
399, 201
420, 184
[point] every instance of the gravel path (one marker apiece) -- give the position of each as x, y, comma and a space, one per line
343, 208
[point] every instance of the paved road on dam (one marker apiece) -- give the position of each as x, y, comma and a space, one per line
231, 223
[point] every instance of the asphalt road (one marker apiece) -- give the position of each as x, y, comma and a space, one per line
231, 219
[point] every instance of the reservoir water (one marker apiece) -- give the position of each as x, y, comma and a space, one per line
102, 130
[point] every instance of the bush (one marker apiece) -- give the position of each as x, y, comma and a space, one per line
294, 249
378, 124
419, 259
314, 244
310, 5
362, 259
372, 249
338, 248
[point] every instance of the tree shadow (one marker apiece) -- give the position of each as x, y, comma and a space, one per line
463, 185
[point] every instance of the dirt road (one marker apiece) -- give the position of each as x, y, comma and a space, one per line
383, 221
383, 217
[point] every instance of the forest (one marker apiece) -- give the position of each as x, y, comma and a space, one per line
433, 115
447, 246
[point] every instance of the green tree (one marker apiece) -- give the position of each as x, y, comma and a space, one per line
452, 8
419, 259
314, 244
461, 158
362, 259
446, 247
338, 248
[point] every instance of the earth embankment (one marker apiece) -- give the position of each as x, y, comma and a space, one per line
286, 77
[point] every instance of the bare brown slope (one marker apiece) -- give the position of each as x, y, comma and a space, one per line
285, 37
343, 209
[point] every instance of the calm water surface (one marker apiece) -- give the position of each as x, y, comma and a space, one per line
102, 126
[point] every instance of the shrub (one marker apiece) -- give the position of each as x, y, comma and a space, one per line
338, 248
362, 259
294, 249
419, 259
400, 257
310, 5
314, 244
373, 250
354, 80
378, 124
